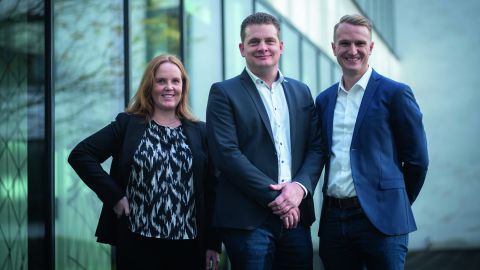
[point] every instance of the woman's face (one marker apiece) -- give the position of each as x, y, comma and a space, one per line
167, 88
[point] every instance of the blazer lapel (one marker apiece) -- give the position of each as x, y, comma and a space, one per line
136, 127
290, 97
248, 84
332, 100
372, 87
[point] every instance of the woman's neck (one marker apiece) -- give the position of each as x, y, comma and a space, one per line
168, 119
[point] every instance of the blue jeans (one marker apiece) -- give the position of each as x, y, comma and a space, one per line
270, 246
349, 241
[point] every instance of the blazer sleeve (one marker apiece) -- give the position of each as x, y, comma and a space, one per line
224, 147
410, 140
213, 238
86, 159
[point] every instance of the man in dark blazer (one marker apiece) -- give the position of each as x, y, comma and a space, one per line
262, 134
378, 159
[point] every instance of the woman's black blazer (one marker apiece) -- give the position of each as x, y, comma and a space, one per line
120, 140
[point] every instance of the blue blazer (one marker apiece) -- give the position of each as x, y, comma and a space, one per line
242, 147
388, 153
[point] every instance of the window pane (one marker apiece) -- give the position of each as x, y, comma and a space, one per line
309, 67
203, 50
326, 78
88, 93
291, 54
18, 51
235, 12
154, 29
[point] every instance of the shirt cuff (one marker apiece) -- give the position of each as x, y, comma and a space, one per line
304, 189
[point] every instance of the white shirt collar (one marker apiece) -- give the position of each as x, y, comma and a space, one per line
256, 79
362, 82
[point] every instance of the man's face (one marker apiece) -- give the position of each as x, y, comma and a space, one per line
261, 48
352, 47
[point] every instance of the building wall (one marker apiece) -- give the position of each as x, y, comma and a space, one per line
437, 45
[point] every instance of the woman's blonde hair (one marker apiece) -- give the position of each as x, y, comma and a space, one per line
142, 102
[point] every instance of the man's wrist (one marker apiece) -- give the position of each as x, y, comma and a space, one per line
305, 191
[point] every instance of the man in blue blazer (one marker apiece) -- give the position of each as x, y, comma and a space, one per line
262, 134
378, 159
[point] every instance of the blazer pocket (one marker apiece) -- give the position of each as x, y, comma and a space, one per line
392, 183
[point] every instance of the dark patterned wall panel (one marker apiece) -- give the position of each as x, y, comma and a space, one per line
13, 148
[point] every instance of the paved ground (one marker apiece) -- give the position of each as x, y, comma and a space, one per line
425, 260
444, 260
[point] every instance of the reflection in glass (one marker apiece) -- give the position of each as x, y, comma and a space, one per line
203, 52
21, 98
88, 93
154, 29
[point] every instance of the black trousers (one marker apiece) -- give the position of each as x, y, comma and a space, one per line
138, 252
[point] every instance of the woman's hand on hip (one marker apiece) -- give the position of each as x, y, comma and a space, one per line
121, 207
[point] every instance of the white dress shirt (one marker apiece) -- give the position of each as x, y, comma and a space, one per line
277, 109
340, 181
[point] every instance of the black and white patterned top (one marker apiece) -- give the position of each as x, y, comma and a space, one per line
160, 189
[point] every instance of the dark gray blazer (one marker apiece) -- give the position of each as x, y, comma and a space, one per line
242, 148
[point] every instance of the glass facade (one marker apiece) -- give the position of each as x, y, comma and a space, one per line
290, 61
154, 29
88, 80
203, 48
234, 13
67, 68
310, 67
22, 133
326, 73
381, 13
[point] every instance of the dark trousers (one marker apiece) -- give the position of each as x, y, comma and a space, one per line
349, 241
269, 246
134, 251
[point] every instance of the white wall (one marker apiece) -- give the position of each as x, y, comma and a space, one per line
438, 43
